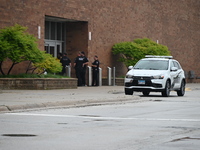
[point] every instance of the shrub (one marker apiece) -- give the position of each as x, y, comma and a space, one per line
49, 64
131, 52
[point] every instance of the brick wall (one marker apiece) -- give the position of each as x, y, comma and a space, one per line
173, 23
37, 84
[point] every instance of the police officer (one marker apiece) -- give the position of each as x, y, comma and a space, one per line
78, 65
95, 71
65, 61
85, 63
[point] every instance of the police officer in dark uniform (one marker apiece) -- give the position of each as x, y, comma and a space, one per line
65, 61
95, 71
78, 65
85, 63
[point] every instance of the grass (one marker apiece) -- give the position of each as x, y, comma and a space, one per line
33, 76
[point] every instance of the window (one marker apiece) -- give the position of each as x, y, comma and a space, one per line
54, 30
152, 65
59, 31
47, 28
176, 64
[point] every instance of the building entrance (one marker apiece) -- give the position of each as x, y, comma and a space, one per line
65, 36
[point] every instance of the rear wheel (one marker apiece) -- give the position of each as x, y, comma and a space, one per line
128, 91
181, 92
146, 93
166, 91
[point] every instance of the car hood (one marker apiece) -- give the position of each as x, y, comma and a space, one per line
136, 72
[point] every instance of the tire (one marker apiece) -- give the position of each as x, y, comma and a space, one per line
166, 91
128, 91
181, 92
146, 93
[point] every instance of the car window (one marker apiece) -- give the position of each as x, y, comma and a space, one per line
176, 64
171, 64
152, 65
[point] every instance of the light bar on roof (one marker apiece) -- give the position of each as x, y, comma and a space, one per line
154, 56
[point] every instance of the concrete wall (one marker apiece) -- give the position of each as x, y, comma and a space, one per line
173, 23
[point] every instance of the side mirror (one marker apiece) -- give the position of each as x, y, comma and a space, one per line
130, 67
174, 69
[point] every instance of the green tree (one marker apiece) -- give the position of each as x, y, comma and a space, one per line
131, 52
18, 45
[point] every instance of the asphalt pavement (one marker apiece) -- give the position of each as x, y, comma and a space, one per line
21, 100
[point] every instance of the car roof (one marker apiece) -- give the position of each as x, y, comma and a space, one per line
155, 59
156, 56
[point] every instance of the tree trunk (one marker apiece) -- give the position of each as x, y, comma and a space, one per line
1, 70
11, 68
33, 70
28, 67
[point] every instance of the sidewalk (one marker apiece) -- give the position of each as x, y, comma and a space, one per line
12, 100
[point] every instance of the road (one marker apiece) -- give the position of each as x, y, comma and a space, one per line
160, 123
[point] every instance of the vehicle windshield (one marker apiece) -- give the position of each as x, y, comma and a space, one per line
152, 65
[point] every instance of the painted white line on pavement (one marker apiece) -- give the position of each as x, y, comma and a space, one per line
104, 118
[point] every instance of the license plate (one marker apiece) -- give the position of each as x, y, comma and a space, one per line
141, 82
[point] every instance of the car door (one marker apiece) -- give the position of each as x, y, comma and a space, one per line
175, 74
180, 72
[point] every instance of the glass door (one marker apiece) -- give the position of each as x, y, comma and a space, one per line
46, 48
53, 48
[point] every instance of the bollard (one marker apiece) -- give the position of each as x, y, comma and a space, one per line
68, 71
109, 76
113, 76
100, 77
89, 76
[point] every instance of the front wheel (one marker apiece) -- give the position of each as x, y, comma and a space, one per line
181, 92
128, 91
166, 91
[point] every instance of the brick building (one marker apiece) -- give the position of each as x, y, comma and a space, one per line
94, 26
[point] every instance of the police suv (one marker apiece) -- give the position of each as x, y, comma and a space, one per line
155, 73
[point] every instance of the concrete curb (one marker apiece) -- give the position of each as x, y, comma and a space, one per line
3, 108
67, 104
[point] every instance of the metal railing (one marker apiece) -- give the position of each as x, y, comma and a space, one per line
68, 71
111, 77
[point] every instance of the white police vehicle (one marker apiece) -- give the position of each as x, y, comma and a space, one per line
155, 73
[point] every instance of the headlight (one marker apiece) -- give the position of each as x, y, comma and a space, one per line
158, 77
129, 76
